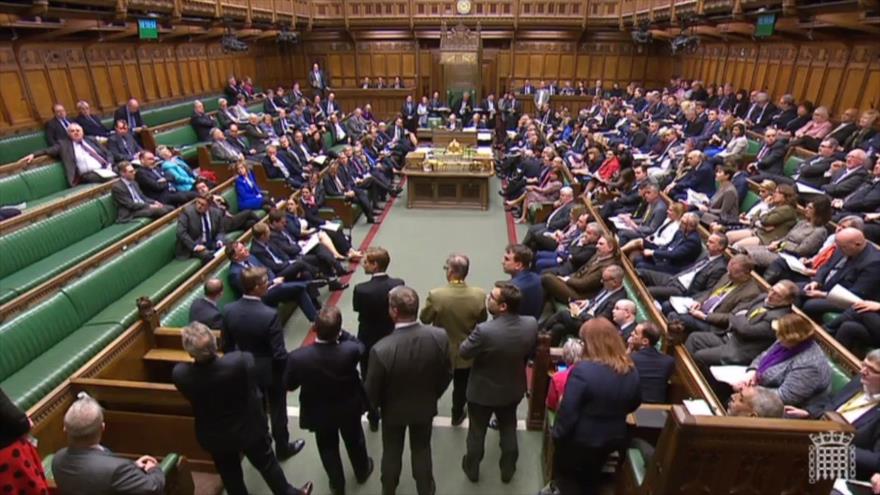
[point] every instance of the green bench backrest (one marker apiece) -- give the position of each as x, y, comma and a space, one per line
839, 379
632, 295
15, 147
170, 113
178, 316
29, 334
791, 166
178, 137
749, 201
754, 147
32, 184
29, 244
112, 280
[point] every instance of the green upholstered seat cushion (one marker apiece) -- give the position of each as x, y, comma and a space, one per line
839, 379
13, 190
37, 186
827, 318
791, 165
49, 266
749, 201
637, 461
14, 147
43, 181
753, 148
43, 373
632, 295
167, 113
177, 137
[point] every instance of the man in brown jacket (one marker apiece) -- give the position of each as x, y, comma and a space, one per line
457, 309
711, 308
587, 281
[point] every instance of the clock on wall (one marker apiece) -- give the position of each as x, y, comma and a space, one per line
463, 6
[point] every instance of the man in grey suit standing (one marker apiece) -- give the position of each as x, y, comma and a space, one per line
499, 348
408, 372
87, 467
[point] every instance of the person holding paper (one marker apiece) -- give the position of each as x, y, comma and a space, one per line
858, 328
698, 175
742, 334
696, 278
566, 322
782, 269
84, 160
794, 366
803, 240
858, 403
855, 266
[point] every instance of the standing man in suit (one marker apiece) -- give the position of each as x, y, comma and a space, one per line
697, 277
56, 127
517, 263
251, 326
200, 230
332, 396
542, 96
201, 122
131, 114
86, 466
318, 79
229, 418
457, 309
370, 302
122, 145
654, 367
857, 403
410, 118
81, 156
204, 309
130, 201
499, 349
91, 124
409, 371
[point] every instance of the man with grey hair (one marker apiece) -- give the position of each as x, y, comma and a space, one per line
87, 467
756, 402
457, 309
684, 248
408, 372
558, 220
761, 112
228, 410
568, 321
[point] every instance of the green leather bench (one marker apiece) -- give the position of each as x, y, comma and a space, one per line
791, 165
182, 138
39, 251
168, 465
753, 148
748, 202
37, 186
330, 146
13, 148
43, 346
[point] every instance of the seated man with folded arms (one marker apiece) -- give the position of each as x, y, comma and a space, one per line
122, 145
87, 467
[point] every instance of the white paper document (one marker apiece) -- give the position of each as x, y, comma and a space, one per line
681, 304
729, 374
484, 136
805, 189
696, 198
620, 223
105, 173
330, 226
309, 244
841, 296
698, 407
794, 263
320, 159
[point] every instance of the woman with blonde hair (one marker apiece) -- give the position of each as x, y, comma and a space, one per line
572, 352
601, 390
773, 224
794, 366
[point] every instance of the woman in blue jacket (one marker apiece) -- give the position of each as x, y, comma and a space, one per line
250, 197
176, 169
591, 423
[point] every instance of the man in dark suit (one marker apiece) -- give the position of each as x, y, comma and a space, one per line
558, 220
56, 127
229, 418
648, 217
281, 240
568, 321
279, 291
761, 112
201, 122
857, 403
812, 171
91, 124
697, 277
855, 266
846, 127
409, 371
682, 250
332, 397
251, 326
121, 145
624, 316
130, 201
86, 466
232, 89
517, 263
81, 156
200, 230
739, 336
154, 183
770, 161
845, 180
204, 309
318, 79
654, 367
131, 114
410, 118
499, 349
865, 199
370, 301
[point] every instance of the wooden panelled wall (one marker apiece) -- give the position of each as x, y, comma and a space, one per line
418, 65
837, 75
33, 76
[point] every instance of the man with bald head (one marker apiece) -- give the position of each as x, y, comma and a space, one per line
567, 322
205, 309
854, 266
85, 161
131, 114
847, 178
457, 309
56, 127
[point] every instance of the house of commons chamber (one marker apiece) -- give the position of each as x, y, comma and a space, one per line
451, 247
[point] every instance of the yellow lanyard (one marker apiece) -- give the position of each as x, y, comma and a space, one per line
723, 290
757, 312
855, 403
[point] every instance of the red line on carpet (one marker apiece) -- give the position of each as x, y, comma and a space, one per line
334, 298
511, 228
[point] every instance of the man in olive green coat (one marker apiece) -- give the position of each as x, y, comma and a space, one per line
457, 309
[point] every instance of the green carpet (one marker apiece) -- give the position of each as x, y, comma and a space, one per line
419, 241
